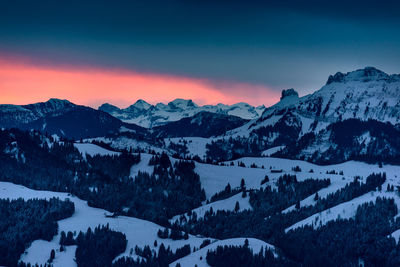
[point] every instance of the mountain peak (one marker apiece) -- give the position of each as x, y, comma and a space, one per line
366, 74
289, 93
57, 100
141, 104
49, 105
106, 107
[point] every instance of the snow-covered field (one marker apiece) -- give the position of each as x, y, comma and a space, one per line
138, 232
92, 150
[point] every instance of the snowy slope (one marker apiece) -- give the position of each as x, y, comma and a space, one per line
92, 150
138, 232
227, 204
198, 258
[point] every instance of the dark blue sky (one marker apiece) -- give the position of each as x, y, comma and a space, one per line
279, 44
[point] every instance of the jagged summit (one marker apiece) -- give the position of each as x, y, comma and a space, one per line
106, 107
364, 75
141, 104
289, 93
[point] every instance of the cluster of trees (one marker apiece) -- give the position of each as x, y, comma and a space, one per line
347, 242
152, 258
243, 256
226, 193
25, 221
174, 234
266, 203
99, 247
289, 192
169, 191
180, 149
352, 190
232, 148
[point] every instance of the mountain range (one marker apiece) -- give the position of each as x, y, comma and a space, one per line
148, 116
309, 127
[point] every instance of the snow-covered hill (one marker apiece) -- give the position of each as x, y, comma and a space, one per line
147, 115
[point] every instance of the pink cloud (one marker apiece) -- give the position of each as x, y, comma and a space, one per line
23, 83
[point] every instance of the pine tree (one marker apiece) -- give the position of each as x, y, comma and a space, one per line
242, 183
52, 256
237, 207
297, 204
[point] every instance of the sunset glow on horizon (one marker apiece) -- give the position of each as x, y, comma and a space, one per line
24, 83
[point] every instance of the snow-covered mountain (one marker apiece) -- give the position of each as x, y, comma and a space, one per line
362, 94
147, 115
312, 126
12, 115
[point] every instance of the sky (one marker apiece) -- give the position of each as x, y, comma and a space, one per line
91, 52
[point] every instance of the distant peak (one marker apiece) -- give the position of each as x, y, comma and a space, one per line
364, 75
57, 100
141, 104
289, 93
55, 103
106, 107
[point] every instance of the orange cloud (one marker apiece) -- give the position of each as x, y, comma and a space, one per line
28, 83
